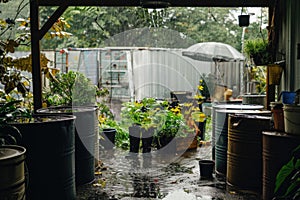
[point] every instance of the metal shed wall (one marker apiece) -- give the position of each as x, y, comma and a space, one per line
156, 72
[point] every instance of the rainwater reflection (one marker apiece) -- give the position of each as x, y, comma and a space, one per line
157, 176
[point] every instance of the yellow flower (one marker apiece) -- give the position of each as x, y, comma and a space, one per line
175, 110
136, 103
187, 104
200, 87
198, 96
196, 108
44, 105
102, 119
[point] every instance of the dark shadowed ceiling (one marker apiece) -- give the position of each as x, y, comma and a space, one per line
175, 3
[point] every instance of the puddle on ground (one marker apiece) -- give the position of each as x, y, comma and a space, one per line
152, 176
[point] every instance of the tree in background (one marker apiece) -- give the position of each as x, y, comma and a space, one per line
91, 26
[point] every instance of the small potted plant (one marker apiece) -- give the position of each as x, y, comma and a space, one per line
107, 132
111, 133
173, 129
131, 118
139, 117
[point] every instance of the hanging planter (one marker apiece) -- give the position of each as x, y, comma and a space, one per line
155, 4
257, 50
244, 20
275, 72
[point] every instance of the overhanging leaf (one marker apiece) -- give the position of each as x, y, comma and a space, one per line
284, 174
293, 187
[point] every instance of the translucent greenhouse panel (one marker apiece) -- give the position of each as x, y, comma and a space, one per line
73, 60
88, 65
157, 72
61, 60
115, 69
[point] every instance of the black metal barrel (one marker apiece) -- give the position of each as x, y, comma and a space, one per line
244, 155
277, 149
85, 139
50, 156
221, 132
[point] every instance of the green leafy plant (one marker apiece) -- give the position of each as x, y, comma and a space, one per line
12, 109
10, 135
171, 122
288, 178
258, 74
72, 88
122, 135
258, 50
106, 121
140, 113
174, 120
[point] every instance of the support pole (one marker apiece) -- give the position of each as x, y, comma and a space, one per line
36, 35
35, 52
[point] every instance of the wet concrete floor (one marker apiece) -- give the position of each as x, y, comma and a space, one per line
156, 175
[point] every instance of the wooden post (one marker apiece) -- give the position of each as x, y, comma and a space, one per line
35, 52
36, 35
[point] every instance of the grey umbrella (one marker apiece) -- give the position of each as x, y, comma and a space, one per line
213, 52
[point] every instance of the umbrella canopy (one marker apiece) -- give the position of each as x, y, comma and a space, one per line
213, 51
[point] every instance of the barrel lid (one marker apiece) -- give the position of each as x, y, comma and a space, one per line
281, 134
66, 109
239, 106
254, 95
258, 112
7, 152
251, 116
291, 106
276, 105
42, 118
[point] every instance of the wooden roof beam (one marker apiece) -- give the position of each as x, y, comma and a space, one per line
174, 3
54, 17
